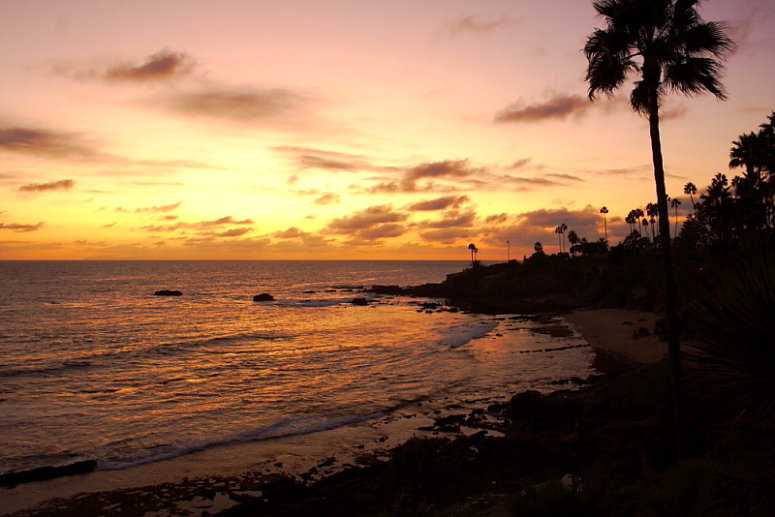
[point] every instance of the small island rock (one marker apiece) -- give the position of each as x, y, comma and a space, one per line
263, 297
167, 292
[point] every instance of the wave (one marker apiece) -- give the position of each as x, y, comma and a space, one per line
293, 426
455, 337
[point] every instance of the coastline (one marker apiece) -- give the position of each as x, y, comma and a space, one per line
285, 461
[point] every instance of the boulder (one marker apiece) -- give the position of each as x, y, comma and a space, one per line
263, 297
167, 292
359, 301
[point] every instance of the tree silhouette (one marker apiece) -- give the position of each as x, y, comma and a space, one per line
669, 47
603, 211
691, 189
474, 251
675, 203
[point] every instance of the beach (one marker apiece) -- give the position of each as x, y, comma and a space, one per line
183, 485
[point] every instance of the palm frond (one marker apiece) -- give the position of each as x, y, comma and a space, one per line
695, 75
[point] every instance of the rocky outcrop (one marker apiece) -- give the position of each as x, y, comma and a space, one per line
263, 297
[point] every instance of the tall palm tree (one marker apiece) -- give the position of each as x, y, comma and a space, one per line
669, 47
563, 227
675, 203
690, 189
604, 211
474, 251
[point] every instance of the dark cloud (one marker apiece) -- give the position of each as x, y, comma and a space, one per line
43, 142
23, 228
164, 64
440, 203
234, 104
47, 187
328, 199
383, 231
496, 218
471, 25
559, 107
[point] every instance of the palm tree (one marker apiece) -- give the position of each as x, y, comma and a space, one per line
652, 210
563, 227
675, 203
669, 47
474, 251
639, 217
604, 211
691, 189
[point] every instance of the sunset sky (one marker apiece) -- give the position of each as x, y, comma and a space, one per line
336, 129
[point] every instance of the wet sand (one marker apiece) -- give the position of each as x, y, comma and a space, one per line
611, 331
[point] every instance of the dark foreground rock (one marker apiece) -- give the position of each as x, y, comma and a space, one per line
46, 473
263, 297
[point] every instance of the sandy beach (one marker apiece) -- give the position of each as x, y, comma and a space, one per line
612, 331
609, 332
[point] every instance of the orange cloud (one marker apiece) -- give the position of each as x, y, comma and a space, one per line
45, 187
23, 228
446, 168
559, 107
440, 203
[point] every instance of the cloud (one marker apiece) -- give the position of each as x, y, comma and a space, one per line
328, 199
452, 219
558, 107
440, 203
43, 142
234, 104
446, 168
46, 187
234, 232
204, 227
164, 64
519, 164
365, 219
22, 228
159, 209
445, 235
471, 25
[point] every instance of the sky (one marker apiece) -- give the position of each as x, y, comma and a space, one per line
338, 129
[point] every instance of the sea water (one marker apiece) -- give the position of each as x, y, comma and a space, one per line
94, 366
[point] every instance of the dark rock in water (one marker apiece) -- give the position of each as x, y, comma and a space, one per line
45, 473
359, 301
167, 292
263, 297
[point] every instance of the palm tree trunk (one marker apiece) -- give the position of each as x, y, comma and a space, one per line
671, 290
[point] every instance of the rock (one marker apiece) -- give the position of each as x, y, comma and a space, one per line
359, 301
525, 403
167, 292
45, 473
263, 297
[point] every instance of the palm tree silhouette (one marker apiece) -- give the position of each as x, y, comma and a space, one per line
675, 203
604, 211
474, 251
669, 47
691, 189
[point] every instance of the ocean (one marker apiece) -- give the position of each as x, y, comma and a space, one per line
93, 366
